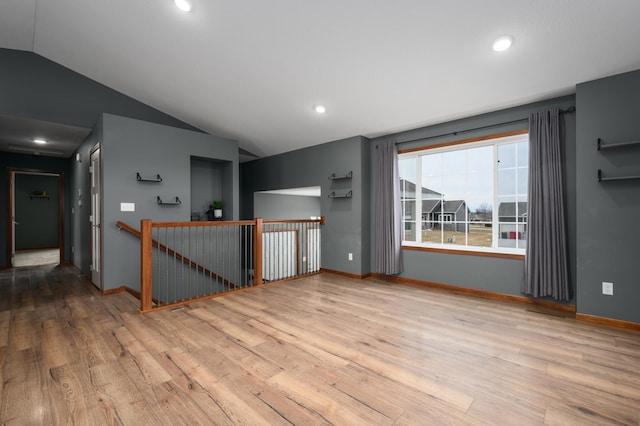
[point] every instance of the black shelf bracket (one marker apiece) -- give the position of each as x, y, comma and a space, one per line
164, 203
139, 178
601, 178
346, 176
347, 195
602, 146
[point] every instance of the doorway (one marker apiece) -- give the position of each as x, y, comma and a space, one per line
35, 219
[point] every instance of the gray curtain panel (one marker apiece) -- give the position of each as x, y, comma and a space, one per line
547, 261
388, 229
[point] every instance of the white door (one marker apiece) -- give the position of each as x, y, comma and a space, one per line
95, 219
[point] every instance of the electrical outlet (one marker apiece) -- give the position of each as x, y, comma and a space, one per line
350, 256
607, 288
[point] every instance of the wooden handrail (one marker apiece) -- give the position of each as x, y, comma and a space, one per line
202, 223
174, 253
271, 221
129, 229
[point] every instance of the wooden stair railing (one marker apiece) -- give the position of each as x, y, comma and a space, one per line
184, 259
147, 243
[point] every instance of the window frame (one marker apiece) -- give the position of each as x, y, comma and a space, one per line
487, 140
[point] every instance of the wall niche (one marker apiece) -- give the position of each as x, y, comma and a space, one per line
211, 179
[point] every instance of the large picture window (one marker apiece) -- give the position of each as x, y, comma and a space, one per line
467, 196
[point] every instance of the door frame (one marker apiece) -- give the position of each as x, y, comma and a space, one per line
11, 194
96, 147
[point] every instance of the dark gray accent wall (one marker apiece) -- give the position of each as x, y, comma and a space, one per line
608, 212
132, 146
344, 228
37, 217
35, 87
281, 206
481, 273
20, 161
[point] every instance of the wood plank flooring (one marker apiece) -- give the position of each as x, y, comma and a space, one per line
320, 350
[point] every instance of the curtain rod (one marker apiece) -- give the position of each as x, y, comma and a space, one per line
569, 110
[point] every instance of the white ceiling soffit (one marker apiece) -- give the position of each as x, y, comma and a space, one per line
253, 70
309, 191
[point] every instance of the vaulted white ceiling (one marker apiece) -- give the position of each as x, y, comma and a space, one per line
252, 70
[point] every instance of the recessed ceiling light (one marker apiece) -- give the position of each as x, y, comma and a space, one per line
320, 109
183, 5
40, 141
502, 43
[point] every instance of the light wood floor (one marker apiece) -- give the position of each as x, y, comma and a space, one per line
320, 350
37, 257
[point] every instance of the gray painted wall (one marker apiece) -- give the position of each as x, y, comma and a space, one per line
608, 212
343, 231
481, 273
35, 87
281, 206
130, 146
21, 161
37, 217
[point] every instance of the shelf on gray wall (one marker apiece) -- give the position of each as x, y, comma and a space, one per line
345, 176
345, 195
156, 179
601, 178
602, 146
165, 203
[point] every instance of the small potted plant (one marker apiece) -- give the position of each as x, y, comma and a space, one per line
216, 206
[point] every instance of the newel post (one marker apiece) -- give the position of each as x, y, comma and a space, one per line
257, 252
146, 269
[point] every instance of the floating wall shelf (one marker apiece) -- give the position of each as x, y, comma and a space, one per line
156, 179
347, 176
346, 195
602, 146
164, 203
38, 196
613, 145
606, 179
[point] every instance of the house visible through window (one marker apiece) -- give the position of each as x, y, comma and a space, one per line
469, 196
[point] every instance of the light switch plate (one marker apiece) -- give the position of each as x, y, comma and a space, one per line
127, 207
